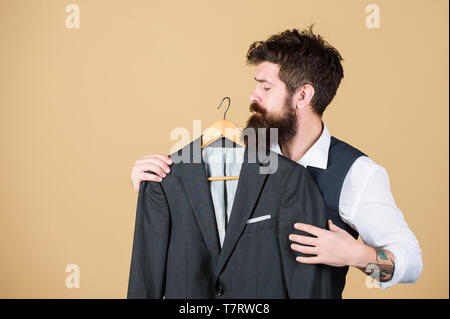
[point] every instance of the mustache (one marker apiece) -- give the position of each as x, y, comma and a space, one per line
255, 107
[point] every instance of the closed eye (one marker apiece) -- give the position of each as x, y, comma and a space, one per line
267, 89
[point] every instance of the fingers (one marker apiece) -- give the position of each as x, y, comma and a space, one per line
150, 177
309, 260
305, 240
162, 157
154, 168
333, 227
139, 177
144, 165
313, 230
155, 163
304, 249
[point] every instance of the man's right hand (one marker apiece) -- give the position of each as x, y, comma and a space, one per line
156, 163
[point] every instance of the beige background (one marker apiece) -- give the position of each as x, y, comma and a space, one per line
80, 106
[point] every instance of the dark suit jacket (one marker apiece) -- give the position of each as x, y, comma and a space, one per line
176, 251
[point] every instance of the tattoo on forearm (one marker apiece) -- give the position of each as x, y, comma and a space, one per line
383, 269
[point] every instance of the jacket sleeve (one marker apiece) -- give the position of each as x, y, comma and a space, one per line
302, 203
151, 240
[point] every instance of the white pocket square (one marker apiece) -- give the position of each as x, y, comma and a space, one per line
258, 219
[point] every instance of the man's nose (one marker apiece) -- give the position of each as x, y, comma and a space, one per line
255, 98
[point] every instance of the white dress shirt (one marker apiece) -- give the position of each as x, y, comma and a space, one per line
366, 204
222, 161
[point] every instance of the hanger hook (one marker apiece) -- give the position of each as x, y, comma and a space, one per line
229, 102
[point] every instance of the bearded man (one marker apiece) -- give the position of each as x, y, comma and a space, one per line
298, 74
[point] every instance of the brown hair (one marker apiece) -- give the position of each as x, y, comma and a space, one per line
304, 58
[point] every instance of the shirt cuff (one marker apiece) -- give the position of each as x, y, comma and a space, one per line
399, 267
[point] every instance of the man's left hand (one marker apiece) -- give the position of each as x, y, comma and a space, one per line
334, 247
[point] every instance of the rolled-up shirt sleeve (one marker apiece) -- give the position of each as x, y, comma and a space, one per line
367, 205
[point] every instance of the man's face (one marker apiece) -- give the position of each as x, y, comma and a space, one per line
272, 106
270, 92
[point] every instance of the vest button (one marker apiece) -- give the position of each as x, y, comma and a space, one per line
219, 291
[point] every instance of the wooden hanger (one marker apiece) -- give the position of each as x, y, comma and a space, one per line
219, 129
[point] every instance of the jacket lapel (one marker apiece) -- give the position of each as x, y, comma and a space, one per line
196, 184
247, 192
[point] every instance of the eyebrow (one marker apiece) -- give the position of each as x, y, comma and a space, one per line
263, 80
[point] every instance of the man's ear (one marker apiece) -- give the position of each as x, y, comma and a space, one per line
303, 96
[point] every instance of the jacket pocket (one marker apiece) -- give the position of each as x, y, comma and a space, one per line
258, 223
258, 219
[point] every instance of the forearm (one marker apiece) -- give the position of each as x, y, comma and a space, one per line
375, 262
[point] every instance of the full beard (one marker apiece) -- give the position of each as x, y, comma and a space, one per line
261, 122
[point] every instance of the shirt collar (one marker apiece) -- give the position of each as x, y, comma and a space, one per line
317, 155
